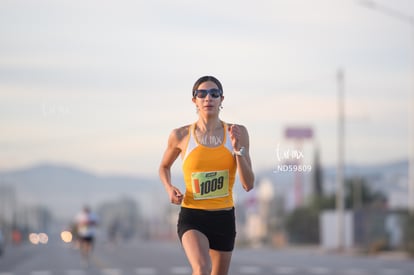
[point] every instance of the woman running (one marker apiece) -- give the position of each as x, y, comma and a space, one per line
211, 151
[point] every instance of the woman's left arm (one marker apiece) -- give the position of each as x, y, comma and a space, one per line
240, 139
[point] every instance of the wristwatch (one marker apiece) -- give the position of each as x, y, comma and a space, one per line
241, 152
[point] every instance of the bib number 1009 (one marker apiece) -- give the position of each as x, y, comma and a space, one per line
208, 186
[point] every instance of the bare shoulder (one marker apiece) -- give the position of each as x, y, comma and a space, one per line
179, 134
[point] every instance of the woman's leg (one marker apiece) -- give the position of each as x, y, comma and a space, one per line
220, 262
196, 247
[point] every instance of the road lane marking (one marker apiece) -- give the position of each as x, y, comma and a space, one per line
75, 272
111, 271
250, 270
354, 271
41, 272
391, 271
284, 270
181, 270
319, 270
145, 271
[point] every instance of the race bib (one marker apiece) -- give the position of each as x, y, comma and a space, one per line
208, 185
82, 230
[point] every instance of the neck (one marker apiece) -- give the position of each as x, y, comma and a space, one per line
209, 132
208, 125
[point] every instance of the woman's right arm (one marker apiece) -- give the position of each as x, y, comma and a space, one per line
170, 155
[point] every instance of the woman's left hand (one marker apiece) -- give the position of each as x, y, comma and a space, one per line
235, 134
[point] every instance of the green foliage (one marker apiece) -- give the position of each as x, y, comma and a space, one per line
320, 203
358, 194
303, 225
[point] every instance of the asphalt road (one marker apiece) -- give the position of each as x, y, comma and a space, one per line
164, 258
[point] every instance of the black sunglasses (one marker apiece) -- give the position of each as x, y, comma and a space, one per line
215, 93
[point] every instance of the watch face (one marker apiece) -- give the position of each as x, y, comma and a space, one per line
240, 152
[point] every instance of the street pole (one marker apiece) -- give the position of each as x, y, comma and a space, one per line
410, 20
340, 207
411, 134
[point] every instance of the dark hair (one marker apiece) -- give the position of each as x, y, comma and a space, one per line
205, 79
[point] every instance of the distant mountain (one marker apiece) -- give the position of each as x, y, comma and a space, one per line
65, 189
385, 177
390, 178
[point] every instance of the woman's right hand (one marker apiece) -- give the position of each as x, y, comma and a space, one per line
175, 195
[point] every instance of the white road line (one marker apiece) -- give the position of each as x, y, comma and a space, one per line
284, 270
181, 270
319, 270
391, 271
41, 272
6, 273
111, 271
75, 272
249, 270
354, 271
145, 271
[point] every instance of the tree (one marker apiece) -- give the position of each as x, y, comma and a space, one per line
359, 194
302, 224
317, 175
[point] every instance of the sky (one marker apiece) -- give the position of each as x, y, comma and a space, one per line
101, 84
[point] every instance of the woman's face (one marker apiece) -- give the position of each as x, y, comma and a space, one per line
209, 104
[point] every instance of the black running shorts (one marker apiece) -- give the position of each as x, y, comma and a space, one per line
218, 226
86, 239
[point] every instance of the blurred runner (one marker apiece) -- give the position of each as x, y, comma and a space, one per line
86, 222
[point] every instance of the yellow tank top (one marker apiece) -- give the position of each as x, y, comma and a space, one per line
209, 173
